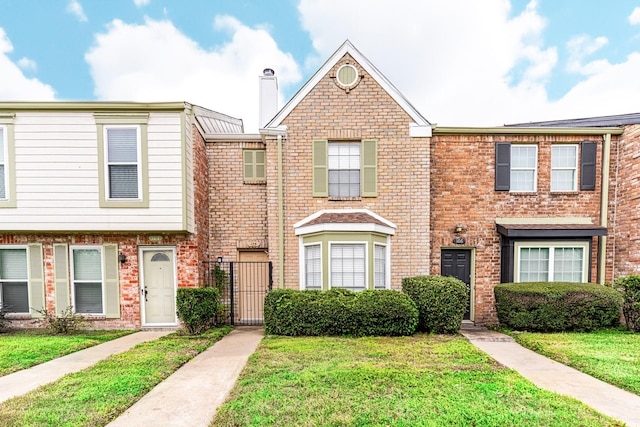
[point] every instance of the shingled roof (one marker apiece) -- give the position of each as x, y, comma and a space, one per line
601, 121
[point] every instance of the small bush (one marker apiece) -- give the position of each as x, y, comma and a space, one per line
67, 322
557, 306
441, 302
3, 318
629, 287
339, 312
197, 308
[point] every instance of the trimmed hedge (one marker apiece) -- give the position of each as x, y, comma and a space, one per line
339, 312
441, 302
629, 288
557, 306
197, 308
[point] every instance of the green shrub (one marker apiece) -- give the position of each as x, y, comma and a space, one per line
3, 318
441, 302
629, 287
339, 312
197, 308
557, 306
67, 322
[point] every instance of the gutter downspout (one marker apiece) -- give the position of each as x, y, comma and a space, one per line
280, 218
604, 208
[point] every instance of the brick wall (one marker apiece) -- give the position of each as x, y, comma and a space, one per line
238, 211
624, 206
364, 112
462, 188
201, 203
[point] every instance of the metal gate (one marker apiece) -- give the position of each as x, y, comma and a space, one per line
243, 286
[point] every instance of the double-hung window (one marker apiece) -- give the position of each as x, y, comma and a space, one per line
87, 278
123, 162
313, 266
347, 267
524, 164
344, 169
560, 262
379, 266
564, 167
14, 288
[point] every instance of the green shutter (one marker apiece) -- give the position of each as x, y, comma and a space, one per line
111, 283
369, 167
248, 161
260, 165
320, 173
61, 277
36, 279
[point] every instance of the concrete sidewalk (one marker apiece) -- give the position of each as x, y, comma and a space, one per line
24, 381
550, 375
191, 396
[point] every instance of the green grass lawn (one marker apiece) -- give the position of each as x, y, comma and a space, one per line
23, 348
423, 380
97, 395
610, 355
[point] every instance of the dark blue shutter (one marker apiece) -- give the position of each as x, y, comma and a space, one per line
503, 166
588, 153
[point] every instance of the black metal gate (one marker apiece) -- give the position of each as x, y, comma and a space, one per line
243, 286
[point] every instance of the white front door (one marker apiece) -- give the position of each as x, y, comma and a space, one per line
158, 290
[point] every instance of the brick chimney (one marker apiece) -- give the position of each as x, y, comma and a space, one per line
268, 96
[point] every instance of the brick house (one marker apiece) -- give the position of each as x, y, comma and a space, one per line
104, 207
109, 207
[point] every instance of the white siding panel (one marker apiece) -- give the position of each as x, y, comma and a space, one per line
57, 179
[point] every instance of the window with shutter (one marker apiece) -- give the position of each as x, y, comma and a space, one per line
564, 167
524, 167
14, 280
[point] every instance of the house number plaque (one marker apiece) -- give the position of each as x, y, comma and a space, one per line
459, 241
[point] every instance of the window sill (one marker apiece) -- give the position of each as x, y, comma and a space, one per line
523, 193
18, 316
344, 199
254, 182
564, 193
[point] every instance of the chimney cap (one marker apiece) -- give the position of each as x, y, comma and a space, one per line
268, 72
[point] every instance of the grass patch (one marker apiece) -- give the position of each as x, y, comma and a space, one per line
23, 348
97, 395
611, 355
422, 380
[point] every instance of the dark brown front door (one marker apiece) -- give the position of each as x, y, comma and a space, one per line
457, 263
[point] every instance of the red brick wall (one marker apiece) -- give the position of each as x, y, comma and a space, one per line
365, 112
462, 189
201, 204
624, 206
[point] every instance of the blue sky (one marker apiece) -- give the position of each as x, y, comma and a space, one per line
459, 62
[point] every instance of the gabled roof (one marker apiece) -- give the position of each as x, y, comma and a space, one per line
421, 127
601, 121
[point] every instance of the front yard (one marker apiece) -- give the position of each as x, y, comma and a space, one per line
610, 355
423, 380
21, 349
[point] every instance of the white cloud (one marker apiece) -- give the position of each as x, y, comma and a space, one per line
141, 3
469, 63
15, 86
75, 8
582, 46
156, 62
27, 64
634, 18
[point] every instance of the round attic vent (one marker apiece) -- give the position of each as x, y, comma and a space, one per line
347, 75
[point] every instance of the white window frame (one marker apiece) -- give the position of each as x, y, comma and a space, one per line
138, 163
573, 168
387, 273
329, 169
552, 246
100, 249
535, 168
28, 279
366, 261
5, 162
303, 269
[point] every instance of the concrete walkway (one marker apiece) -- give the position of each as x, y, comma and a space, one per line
24, 381
191, 396
550, 375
